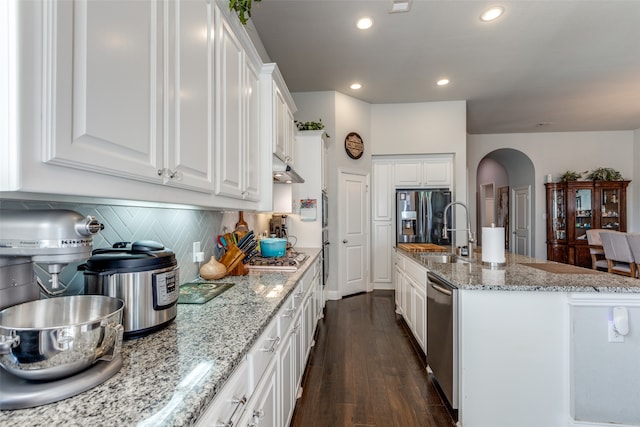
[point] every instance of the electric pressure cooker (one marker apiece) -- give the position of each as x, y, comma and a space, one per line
145, 275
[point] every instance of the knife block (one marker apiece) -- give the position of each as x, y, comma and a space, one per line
232, 259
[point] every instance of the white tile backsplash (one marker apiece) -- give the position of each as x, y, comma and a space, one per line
176, 229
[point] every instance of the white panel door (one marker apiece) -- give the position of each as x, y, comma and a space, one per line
521, 221
191, 95
103, 105
353, 226
254, 149
382, 196
437, 173
230, 153
382, 251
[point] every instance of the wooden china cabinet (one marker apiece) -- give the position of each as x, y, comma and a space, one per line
576, 206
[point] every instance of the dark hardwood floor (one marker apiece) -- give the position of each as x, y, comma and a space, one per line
363, 371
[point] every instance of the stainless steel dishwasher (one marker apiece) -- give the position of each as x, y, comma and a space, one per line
442, 335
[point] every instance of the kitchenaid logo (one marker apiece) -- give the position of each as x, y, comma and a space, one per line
63, 243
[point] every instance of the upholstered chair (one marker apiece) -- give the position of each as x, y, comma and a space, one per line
634, 244
598, 261
617, 251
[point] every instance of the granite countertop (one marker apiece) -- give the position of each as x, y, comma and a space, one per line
522, 273
210, 339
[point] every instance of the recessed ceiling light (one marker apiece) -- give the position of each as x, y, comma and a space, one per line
492, 13
364, 23
442, 82
400, 6
356, 86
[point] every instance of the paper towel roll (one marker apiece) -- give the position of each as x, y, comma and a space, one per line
493, 245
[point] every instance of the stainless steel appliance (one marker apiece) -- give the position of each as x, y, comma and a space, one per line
278, 226
289, 262
442, 335
145, 275
56, 238
52, 237
325, 256
420, 216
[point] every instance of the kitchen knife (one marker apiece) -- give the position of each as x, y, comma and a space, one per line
246, 237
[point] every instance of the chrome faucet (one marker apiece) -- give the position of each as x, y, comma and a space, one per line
445, 231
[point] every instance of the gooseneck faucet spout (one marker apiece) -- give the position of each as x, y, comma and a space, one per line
445, 230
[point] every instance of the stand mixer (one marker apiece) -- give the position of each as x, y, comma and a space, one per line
52, 237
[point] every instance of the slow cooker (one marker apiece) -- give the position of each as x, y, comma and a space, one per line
145, 275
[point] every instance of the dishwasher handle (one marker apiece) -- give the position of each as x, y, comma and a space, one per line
441, 289
440, 284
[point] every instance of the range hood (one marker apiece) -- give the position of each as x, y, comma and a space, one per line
283, 173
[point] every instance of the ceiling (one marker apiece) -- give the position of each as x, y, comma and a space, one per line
544, 66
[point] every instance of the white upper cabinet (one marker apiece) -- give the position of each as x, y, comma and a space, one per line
238, 157
431, 171
139, 100
283, 109
130, 93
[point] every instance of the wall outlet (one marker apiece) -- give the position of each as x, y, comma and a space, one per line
614, 336
196, 250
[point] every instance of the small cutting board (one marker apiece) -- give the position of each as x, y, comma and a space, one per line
421, 247
201, 292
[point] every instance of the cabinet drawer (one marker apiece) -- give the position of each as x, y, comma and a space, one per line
417, 272
262, 352
228, 406
400, 261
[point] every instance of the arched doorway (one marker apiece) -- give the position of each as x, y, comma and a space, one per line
506, 197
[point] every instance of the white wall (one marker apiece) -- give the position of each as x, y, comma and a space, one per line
341, 114
422, 128
556, 153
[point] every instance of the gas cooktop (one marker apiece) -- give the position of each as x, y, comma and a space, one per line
290, 262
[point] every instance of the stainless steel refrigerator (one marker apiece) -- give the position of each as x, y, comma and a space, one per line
420, 216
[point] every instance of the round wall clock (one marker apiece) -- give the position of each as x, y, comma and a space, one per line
353, 145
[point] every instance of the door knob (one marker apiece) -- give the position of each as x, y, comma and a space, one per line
345, 241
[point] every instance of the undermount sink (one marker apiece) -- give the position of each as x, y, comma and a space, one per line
442, 258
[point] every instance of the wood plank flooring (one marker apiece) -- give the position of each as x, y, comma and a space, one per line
363, 371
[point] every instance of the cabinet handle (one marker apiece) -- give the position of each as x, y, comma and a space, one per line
289, 312
257, 415
239, 403
274, 344
345, 241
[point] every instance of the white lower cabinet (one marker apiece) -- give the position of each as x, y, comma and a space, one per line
262, 410
289, 362
229, 405
411, 296
263, 389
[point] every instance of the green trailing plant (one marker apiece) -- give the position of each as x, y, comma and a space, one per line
604, 174
311, 126
242, 8
570, 176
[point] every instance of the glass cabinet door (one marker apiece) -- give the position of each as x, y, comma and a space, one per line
558, 224
583, 210
610, 215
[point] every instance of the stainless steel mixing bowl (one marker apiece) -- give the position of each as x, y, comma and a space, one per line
53, 338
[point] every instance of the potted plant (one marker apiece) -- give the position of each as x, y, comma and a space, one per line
604, 174
311, 126
570, 176
242, 8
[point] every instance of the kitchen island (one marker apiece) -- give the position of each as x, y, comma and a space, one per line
170, 377
533, 343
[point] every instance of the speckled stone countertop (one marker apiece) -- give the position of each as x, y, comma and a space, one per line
149, 388
517, 276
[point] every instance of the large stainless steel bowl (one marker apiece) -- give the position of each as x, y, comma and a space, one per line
53, 338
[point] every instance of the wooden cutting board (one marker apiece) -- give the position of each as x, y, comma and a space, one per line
421, 247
